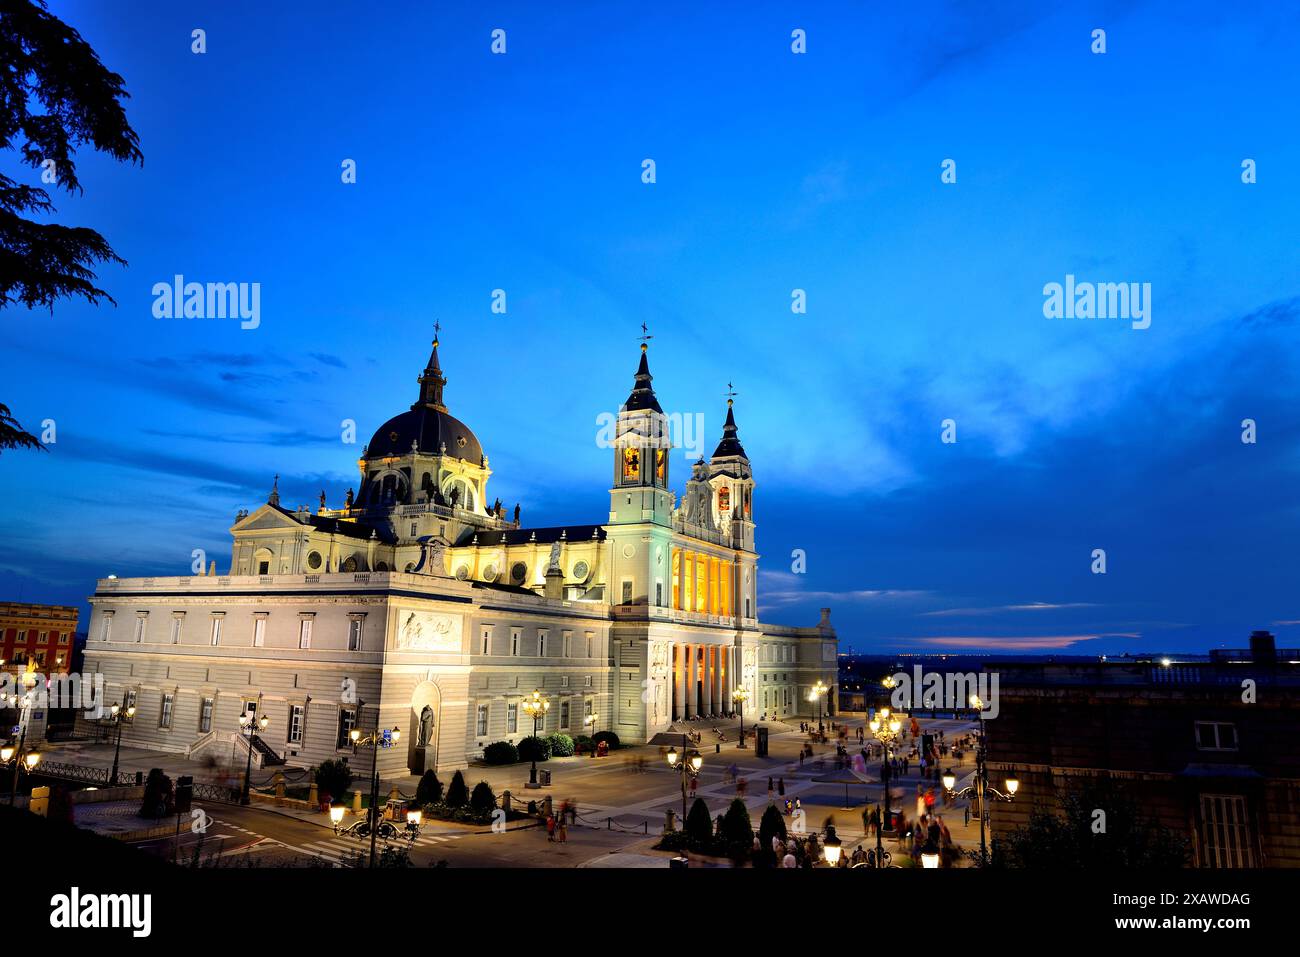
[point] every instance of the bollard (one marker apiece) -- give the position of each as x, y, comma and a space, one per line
505, 803
313, 795
356, 802
279, 788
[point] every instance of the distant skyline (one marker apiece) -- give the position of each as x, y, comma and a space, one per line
775, 172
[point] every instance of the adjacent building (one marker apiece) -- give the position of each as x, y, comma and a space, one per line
38, 637
1207, 748
421, 604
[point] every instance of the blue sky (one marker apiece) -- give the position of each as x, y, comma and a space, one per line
775, 171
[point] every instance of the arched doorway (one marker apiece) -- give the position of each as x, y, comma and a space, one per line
424, 722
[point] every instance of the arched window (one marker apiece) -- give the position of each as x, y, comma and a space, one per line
724, 499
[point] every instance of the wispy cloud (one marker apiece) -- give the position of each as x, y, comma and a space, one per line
1013, 642
999, 609
785, 588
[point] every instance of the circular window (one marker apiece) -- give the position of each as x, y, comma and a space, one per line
517, 571
580, 571
313, 560
490, 573
462, 572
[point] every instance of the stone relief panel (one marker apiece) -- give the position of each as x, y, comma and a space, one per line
428, 631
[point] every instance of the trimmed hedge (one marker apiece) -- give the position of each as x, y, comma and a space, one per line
562, 746
608, 736
500, 752
533, 748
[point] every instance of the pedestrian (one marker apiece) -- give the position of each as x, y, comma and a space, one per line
694, 784
800, 758
780, 786
561, 832
771, 787
789, 860
550, 828
966, 815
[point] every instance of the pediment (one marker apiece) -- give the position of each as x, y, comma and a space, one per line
264, 518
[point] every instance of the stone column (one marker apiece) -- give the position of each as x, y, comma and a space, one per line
690, 680
728, 679
707, 706
679, 662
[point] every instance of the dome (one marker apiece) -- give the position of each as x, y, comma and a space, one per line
430, 429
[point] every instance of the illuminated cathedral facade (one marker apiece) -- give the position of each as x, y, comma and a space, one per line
422, 604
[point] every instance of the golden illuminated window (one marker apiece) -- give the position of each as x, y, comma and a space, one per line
631, 463
724, 499
661, 463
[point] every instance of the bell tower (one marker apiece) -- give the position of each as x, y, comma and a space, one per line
732, 481
642, 448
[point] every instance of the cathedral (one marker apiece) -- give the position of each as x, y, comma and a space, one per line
422, 604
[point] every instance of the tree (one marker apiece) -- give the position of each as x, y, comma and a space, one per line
1077, 837
158, 795
772, 824
457, 792
737, 831
482, 799
699, 825
533, 748
333, 778
429, 790
55, 95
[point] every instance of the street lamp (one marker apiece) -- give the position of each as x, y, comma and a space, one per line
590, 722
384, 738
832, 847
981, 788
740, 696
22, 761
250, 726
815, 694
116, 715
536, 708
688, 764
885, 728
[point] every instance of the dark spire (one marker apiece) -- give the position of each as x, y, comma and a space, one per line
730, 444
274, 497
643, 394
432, 380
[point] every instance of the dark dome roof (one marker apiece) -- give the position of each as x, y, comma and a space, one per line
430, 429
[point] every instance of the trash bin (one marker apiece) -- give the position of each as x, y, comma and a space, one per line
678, 862
544, 778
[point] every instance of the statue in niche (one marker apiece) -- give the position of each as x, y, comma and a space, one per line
554, 564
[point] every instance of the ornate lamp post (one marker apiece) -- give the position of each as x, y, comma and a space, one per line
832, 847
981, 788
248, 725
536, 708
590, 722
688, 764
818, 690
380, 738
885, 727
115, 717
740, 696
21, 759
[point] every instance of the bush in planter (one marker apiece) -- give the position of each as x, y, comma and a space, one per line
500, 752
158, 795
333, 778
737, 831
429, 790
457, 792
561, 745
772, 824
533, 748
608, 736
699, 826
482, 800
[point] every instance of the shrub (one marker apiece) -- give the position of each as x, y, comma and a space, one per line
737, 832
772, 824
157, 795
561, 745
533, 748
457, 792
608, 736
583, 743
333, 778
500, 752
482, 800
699, 825
429, 790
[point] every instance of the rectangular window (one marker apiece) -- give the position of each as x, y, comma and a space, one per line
128, 702
165, 717
591, 639
659, 593
141, 624
216, 631
259, 631
485, 642
564, 713
587, 708
564, 681
568, 644
541, 643
481, 721
347, 721
304, 633
512, 717
588, 682
1216, 736
177, 623
63, 638
354, 634
1225, 832
106, 628
205, 716
515, 635
627, 593
296, 714
264, 568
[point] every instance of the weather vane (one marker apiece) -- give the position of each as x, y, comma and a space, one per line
437, 328
731, 392
644, 335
